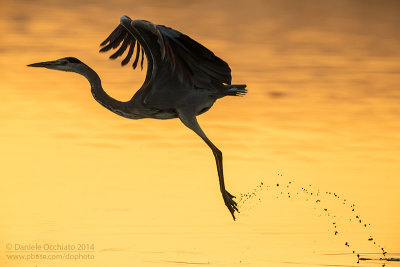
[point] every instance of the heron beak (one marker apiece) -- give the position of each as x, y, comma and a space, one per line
43, 64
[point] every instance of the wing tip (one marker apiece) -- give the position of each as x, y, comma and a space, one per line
125, 19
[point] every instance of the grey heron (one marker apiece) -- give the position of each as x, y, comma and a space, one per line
183, 80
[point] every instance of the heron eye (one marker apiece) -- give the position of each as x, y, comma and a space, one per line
64, 62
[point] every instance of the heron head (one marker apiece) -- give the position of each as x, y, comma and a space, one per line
64, 64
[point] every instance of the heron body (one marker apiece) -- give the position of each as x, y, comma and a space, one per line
183, 79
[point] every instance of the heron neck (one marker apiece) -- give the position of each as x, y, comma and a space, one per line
100, 95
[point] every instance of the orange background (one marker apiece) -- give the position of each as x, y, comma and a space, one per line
322, 112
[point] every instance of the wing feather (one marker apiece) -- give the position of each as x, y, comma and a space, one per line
191, 62
141, 63
117, 31
190, 58
122, 49
134, 65
114, 43
130, 53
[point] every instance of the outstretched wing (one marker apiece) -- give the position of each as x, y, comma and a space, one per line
191, 62
195, 63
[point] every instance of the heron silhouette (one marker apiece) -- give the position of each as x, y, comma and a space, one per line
183, 79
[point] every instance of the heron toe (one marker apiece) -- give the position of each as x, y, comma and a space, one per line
230, 203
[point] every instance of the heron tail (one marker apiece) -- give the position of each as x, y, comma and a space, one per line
236, 89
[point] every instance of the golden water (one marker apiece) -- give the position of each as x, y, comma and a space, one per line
322, 110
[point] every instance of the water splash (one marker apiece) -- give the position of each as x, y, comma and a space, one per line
319, 199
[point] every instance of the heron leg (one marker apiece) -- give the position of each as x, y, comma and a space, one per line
191, 123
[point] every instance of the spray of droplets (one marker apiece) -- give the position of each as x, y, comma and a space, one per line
318, 198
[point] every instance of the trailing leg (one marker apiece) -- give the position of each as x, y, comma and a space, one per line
191, 122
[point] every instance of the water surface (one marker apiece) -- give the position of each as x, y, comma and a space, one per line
322, 110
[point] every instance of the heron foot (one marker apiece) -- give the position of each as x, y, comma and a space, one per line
230, 203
